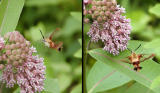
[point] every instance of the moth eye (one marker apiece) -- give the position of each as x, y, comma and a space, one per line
59, 49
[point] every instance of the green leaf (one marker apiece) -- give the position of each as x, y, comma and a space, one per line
10, 11
130, 88
51, 85
78, 54
71, 26
99, 71
77, 15
153, 46
80, 41
147, 76
64, 81
139, 20
42, 2
146, 34
155, 10
78, 71
138, 87
34, 32
77, 89
17, 90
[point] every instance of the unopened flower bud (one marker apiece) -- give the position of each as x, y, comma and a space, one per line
86, 20
11, 57
93, 3
1, 66
93, 16
112, 8
15, 63
1, 58
102, 13
99, 8
19, 51
104, 8
94, 8
8, 52
99, 19
23, 45
21, 40
108, 4
96, 13
8, 61
11, 39
20, 61
104, 2
27, 43
23, 56
85, 12
99, 3
26, 49
90, 12
7, 47
104, 18
6, 36
17, 57
4, 57
14, 52
107, 13
12, 46
18, 45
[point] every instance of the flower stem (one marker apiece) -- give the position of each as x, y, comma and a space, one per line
84, 68
1, 87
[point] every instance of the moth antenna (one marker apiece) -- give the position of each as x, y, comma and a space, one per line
137, 47
129, 50
42, 34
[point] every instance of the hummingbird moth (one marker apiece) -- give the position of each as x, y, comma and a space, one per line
51, 44
136, 59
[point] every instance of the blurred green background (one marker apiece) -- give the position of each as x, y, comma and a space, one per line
63, 69
145, 22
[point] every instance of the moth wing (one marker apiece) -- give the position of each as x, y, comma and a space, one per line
59, 46
52, 34
146, 57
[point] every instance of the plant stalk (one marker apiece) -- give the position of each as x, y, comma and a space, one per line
84, 68
1, 87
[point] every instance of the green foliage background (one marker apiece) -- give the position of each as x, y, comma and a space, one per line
63, 69
145, 21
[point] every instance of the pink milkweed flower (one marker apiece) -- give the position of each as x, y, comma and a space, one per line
109, 26
22, 67
1, 43
86, 2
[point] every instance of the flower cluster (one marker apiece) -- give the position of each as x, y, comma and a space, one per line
108, 25
18, 64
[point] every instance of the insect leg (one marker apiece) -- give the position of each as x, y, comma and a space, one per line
126, 61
